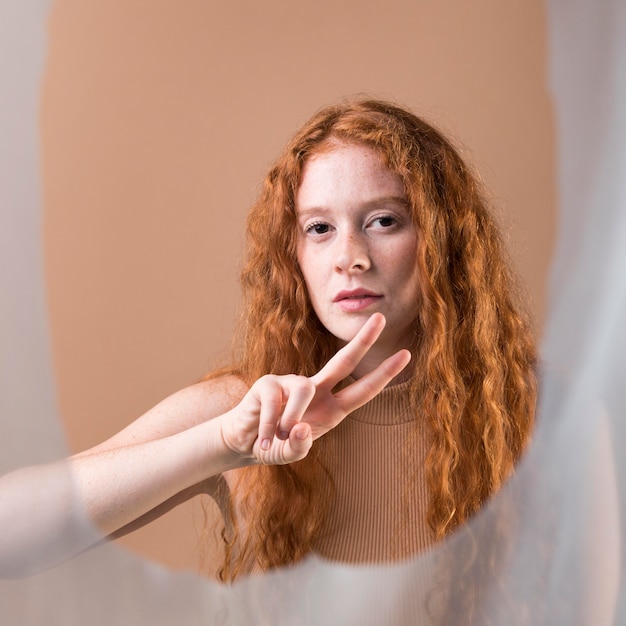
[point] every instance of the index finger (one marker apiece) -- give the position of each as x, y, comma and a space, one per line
346, 359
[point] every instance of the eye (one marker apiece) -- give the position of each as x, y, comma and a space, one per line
384, 221
317, 228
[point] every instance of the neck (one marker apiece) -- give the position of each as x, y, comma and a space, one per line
373, 359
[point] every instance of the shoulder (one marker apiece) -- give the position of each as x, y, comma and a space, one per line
216, 395
182, 410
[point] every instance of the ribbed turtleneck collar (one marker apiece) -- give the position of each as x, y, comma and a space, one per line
391, 406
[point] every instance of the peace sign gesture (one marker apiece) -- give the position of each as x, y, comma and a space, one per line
280, 416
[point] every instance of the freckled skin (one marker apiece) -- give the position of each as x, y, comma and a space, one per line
357, 247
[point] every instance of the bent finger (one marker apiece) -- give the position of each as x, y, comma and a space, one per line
295, 448
271, 398
299, 442
300, 393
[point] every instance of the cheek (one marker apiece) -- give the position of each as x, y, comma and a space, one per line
303, 262
310, 271
401, 259
409, 275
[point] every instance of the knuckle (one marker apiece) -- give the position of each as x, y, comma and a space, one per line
301, 383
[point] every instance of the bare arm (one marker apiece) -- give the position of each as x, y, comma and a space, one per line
54, 510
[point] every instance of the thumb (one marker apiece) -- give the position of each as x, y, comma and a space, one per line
290, 450
300, 440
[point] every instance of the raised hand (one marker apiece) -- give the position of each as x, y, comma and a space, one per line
280, 417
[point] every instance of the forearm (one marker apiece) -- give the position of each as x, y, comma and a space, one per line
41, 520
117, 486
49, 513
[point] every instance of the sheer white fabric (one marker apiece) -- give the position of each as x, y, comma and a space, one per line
548, 549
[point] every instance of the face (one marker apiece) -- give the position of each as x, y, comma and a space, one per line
357, 245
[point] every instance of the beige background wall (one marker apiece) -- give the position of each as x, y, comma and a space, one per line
159, 119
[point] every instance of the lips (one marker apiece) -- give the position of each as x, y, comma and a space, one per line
356, 299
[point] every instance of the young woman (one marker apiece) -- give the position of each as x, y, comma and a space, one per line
368, 209
371, 237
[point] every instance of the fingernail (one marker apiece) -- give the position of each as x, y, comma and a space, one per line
283, 434
301, 434
265, 444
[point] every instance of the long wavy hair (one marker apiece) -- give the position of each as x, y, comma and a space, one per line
475, 350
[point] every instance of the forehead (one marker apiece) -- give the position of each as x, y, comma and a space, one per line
344, 172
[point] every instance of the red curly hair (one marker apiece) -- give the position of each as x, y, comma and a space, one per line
475, 350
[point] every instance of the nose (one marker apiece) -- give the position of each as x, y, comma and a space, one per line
352, 253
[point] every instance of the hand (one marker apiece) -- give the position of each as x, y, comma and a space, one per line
280, 416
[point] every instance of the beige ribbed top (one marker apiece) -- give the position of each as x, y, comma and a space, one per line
378, 507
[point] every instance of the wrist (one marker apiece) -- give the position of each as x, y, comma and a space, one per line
226, 447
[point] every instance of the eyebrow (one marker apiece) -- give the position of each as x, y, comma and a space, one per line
383, 200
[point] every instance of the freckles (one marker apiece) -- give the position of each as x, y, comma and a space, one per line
312, 274
402, 255
308, 264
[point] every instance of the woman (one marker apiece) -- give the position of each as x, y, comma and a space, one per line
369, 211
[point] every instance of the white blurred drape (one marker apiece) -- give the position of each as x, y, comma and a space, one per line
548, 550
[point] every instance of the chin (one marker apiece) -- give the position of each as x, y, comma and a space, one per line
345, 333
